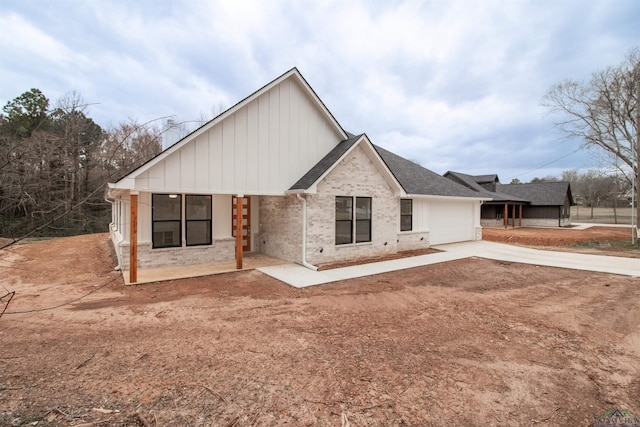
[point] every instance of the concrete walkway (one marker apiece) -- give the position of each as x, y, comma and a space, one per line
300, 277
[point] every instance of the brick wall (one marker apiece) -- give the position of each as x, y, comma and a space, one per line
356, 175
220, 250
280, 233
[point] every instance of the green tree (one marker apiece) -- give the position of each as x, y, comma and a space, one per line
26, 113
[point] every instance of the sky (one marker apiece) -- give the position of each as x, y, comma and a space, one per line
452, 85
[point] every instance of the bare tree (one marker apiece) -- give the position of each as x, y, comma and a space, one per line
605, 112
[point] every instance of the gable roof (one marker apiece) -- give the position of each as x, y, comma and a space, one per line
413, 178
540, 193
481, 179
418, 180
291, 74
325, 164
472, 182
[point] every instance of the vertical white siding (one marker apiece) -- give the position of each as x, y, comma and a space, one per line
263, 148
221, 216
420, 215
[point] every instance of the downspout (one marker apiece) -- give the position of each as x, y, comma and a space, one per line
110, 201
304, 234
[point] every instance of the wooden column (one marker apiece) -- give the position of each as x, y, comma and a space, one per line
513, 216
239, 207
133, 240
505, 217
520, 220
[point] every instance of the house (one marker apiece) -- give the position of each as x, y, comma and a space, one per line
277, 174
545, 204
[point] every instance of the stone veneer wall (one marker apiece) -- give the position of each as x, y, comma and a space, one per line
280, 227
356, 175
528, 222
220, 250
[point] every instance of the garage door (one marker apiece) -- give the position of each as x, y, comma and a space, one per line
450, 222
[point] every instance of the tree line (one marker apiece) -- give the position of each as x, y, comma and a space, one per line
55, 162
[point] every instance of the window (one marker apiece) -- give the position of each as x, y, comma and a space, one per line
344, 220
347, 217
166, 220
363, 219
406, 215
198, 220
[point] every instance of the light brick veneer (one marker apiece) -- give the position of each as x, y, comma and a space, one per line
280, 227
220, 250
355, 175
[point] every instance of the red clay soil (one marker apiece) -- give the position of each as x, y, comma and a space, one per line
597, 240
465, 343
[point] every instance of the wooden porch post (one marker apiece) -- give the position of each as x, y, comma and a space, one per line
505, 217
133, 240
513, 216
520, 220
239, 204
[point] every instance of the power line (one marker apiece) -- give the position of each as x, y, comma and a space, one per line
546, 164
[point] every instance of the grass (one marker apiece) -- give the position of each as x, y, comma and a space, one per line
621, 244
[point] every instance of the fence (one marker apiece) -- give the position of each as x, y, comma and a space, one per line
601, 215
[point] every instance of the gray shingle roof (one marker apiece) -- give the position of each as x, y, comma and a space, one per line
325, 163
480, 179
418, 180
412, 177
540, 193
471, 182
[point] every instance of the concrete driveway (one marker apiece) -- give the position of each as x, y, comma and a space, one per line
300, 277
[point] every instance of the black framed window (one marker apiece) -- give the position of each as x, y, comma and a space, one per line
344, 220
353, 218
363, 219
198, 219
406, 215
166, 220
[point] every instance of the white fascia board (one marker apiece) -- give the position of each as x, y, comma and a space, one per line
456, 198
373, 155
205, 128
382, 166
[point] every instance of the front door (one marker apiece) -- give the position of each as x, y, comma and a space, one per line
246, 221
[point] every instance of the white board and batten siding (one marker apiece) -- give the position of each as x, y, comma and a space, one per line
263, 148
446, 221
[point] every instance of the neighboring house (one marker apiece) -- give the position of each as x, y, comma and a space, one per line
309, 191
535, 204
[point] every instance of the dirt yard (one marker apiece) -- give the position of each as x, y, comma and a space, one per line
465, 343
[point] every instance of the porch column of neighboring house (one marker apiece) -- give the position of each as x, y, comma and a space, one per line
505, 217
133, 239
520, 219
239, 201
513, 217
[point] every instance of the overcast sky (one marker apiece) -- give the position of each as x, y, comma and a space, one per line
452, 85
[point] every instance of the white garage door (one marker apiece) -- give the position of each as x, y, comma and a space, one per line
450, 222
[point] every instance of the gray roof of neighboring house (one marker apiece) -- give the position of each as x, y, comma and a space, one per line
471, 182
412, 177
480, 179
540, 193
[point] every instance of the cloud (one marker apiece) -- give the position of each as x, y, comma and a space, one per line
454, 85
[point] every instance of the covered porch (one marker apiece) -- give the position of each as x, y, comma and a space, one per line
250, 261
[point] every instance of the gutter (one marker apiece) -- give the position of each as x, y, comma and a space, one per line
111, 201
304, 234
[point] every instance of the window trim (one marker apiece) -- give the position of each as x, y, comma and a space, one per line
410, 215
187, 221
154, 245
354, 221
